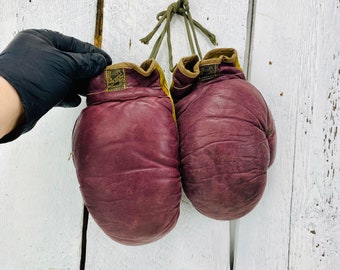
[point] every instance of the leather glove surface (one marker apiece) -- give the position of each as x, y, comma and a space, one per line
227, 135
125, 151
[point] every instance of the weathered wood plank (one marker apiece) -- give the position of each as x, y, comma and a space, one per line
315, 221
126, 22
197, 242
41, 206
295, 63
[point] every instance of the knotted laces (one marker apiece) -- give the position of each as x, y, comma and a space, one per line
181, 7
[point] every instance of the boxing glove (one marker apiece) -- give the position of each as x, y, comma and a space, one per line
227, 135
125, 151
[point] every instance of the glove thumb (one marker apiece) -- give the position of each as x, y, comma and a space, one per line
70, 101
89, 65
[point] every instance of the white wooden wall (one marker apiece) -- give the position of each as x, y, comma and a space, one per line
293, 52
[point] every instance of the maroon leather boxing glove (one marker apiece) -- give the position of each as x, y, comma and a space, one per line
227, 135
125, 150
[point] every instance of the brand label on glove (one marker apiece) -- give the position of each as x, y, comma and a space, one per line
115, 80
208, 72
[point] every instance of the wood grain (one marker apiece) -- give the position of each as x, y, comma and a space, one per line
197, 242
295, 63
294, 60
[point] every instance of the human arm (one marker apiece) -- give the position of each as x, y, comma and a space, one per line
11, 109
46, 69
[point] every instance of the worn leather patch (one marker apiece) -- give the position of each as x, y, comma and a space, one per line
208, 72
115, 80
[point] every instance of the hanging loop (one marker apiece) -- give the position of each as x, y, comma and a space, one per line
181, 7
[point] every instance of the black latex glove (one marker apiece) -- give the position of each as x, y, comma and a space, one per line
48, 69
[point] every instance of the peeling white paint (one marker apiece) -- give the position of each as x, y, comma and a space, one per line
295, 62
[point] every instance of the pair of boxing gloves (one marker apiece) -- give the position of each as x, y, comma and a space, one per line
137, 144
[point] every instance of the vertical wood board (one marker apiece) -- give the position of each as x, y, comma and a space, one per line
295, 64
196, 242
126, 22
315, 221
41, 206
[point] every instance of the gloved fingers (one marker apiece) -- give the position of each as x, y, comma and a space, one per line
87, 65
70, 101
71, 44
81, 86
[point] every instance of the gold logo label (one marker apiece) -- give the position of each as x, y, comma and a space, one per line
115, 80
208, 72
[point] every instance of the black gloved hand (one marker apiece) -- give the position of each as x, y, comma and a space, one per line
47, 69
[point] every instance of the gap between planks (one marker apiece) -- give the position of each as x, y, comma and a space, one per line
250, 37
234, 225
98, 38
